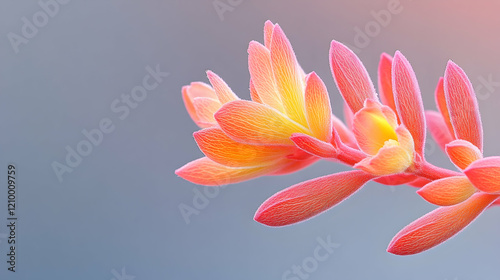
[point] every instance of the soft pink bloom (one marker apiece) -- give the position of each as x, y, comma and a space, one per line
289, 124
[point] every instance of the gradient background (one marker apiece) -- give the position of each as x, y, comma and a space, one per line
119, 207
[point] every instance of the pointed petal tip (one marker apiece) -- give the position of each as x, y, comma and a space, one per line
394, 250
252, 45
439, 225
385, 56
259, 218
462, 105
307, 199
452, 67
484, 174
177, 171
336, 45
350, 76
399, 57
447, 191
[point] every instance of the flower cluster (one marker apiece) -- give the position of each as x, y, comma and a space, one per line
289, 125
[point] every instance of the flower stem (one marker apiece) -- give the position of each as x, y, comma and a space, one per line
349, 155
432, 172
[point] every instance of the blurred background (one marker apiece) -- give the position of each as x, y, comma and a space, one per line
67, 67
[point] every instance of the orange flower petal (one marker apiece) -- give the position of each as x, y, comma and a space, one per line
496, 203
222, 90
462, 105
484, 174
393, 158
254, 123
313, 146
390, 159
462, 153
299, 154
189, 105
294, 166
439, 225
348, 115
448, 191
204, 171
442, 107
217, 146
261, 73
408, 100
205, 109
372, 127
345, 135
385, 81
288, 75
397, 179
268, 33
253, 93
438, 129
318, 109
405, 139
351, 76
196, 89
309, 198
419, 182
200, 89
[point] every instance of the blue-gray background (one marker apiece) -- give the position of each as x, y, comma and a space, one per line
119, 207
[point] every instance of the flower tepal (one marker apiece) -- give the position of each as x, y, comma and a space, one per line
288, 124
244, 139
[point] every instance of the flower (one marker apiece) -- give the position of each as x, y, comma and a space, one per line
462, 198
391, 141
243, 139
289, 125
385, 149
389, 146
